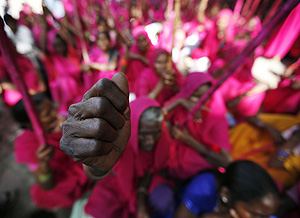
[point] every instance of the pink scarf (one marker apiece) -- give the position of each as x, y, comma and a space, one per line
70, 179
115, 195
185, 161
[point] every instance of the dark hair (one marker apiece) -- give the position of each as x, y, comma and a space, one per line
152, 114
248, 182
19, 112
42, 213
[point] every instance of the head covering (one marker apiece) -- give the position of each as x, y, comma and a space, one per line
155, 55
192, 82
137, 108
140, 30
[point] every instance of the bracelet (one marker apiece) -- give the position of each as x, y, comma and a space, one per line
124, 62
282, 154
42, 178
142, 190
89, 174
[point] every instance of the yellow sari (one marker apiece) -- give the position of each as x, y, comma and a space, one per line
255, 144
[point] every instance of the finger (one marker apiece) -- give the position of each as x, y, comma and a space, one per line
91, 128
100, 108
121, 81
118, 96
81, 148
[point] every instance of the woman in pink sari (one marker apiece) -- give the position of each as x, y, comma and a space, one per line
203, 142
31, 78
59, 180
124, 192
103, 61
63, 68
138, 55
159, 81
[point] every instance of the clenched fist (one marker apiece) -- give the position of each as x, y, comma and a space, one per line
98, 128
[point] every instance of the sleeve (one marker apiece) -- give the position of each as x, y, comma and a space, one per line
200, 194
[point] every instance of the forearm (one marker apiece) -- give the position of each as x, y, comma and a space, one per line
168, 108
104, 67
44, 176
94, 174
217, 159
155, 92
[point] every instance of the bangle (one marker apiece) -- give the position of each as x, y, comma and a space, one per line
282, 154
89, 174
142, 190
124, 62
42, 178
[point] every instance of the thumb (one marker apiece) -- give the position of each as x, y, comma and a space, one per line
124, 133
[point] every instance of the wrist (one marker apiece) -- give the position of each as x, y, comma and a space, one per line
95, 174
283, 153
142, 190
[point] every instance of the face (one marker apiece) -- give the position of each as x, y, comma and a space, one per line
103, 42
49, 117
195, 97
59, 46
149, 134
263, 208
160, 64
142, 44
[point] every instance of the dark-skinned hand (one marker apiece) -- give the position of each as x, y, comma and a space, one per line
98, 128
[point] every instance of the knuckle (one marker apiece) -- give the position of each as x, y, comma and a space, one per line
103, 84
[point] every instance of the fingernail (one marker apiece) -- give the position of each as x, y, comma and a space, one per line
127, 113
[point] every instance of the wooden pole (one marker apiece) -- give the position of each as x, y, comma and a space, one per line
175, 24
77, 23
9, 55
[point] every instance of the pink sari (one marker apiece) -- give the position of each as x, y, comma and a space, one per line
115, 195
30, 76
70, 179
240, 83
64, 74
135, 66
186, 162
148, 79
97, 56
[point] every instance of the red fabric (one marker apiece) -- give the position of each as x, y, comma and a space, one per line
115, 195
70, 179
149, 78
212, 131
284, 99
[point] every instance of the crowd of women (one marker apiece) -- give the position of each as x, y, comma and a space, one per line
236, 156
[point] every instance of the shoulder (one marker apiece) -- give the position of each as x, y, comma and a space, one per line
201, 194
